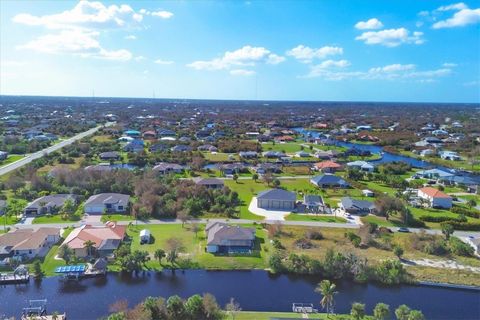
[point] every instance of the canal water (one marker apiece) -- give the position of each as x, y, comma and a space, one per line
254, 290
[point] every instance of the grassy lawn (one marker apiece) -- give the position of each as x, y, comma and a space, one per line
49, 263
247, 189
194, 247
11, 158
288, 147
309, 217
252, 315
54, 219
217, 157
103, 138
116, 217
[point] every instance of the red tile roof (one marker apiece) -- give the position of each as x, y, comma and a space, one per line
434, 193
327, 164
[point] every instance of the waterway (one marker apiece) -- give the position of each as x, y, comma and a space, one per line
254, 290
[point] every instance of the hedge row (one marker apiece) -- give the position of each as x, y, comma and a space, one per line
466, 212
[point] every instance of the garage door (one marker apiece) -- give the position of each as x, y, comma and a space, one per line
275, 204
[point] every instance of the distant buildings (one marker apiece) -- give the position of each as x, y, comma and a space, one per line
209, 183
329, 181
358, 207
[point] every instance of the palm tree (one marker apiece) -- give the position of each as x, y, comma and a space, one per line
89, 245
327, 290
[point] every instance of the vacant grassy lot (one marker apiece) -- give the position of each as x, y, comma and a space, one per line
116, 217
194, 247
287, 147
335, 239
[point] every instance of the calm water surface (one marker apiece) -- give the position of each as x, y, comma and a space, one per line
254, 290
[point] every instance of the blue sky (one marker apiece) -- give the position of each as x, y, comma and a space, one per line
282, 50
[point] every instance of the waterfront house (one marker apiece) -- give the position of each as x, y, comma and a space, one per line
329, 181
276, 199
274, 154
134, 146
224, 238
165, 168
48, 204
359, 207
361, 165
267, 167
109, 156
248, 154
449, 155
107, 202
232, 168
327, 166
209, 183
302, 154
329, 154
28, 243
106, 239
435, 198
181, 148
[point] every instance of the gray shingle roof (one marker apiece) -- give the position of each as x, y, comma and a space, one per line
277, 194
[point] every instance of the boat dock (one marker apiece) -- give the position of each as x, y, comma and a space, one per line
37, 310
20, 275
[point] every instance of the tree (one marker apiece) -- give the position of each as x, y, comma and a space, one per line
255, 177
398, 251
195, 229
267, 178
176, 308
327, 290
37, 270
416, 315
235, 178
159, 255
402, 312
471, 203
358, 311
233, 308
90, 246
276, 183
183, 216
381, 311
194, 307
66, 253
174, 245
447, 230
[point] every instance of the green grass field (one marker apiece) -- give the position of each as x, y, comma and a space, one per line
247, 189
11, 158
252, 315
194, 247
54, 219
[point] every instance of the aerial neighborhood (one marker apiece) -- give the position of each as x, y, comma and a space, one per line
203, 186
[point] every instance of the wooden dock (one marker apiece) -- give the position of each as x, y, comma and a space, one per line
12, 278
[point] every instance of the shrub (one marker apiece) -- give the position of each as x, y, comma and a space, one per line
313, 235
459, 247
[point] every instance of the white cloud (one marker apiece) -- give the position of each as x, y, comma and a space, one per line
449, 65
242, 72
86, 14
455, 6
162, 14
140, 58
370, 24
392, 72
391, 37
76, 42
163, 62
130, 37
393, 68
245, 56
306, 54
462, 17
79, 30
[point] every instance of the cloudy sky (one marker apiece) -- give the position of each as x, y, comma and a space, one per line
397, 50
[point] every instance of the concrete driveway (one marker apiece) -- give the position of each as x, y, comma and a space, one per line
268, 214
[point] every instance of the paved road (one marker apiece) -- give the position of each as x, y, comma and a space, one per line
20, 163
244, 221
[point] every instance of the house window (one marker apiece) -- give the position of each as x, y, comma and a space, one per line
30, 251
120, 207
